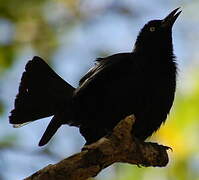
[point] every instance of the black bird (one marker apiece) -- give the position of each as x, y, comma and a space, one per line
141, 82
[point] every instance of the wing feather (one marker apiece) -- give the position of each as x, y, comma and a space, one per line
109, 67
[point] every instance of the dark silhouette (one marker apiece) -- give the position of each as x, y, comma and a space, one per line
141, 82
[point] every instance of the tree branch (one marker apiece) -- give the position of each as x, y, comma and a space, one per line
119, 146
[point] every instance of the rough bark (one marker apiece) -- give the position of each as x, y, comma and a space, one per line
119, 146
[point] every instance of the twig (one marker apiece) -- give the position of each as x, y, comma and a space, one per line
120, 146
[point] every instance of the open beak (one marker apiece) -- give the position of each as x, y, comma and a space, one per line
171, 18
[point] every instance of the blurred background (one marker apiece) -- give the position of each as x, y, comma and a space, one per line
70, 35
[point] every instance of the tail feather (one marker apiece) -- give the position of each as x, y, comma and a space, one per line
52, 128
41, 93
21, 125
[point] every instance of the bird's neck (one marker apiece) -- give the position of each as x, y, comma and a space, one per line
159, 49
156, 54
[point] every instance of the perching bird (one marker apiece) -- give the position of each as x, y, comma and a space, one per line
141, 82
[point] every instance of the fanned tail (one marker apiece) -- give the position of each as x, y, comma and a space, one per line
41, 93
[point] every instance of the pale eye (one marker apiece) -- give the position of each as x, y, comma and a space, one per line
152, 29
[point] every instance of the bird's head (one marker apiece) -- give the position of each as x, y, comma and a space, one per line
157, 35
